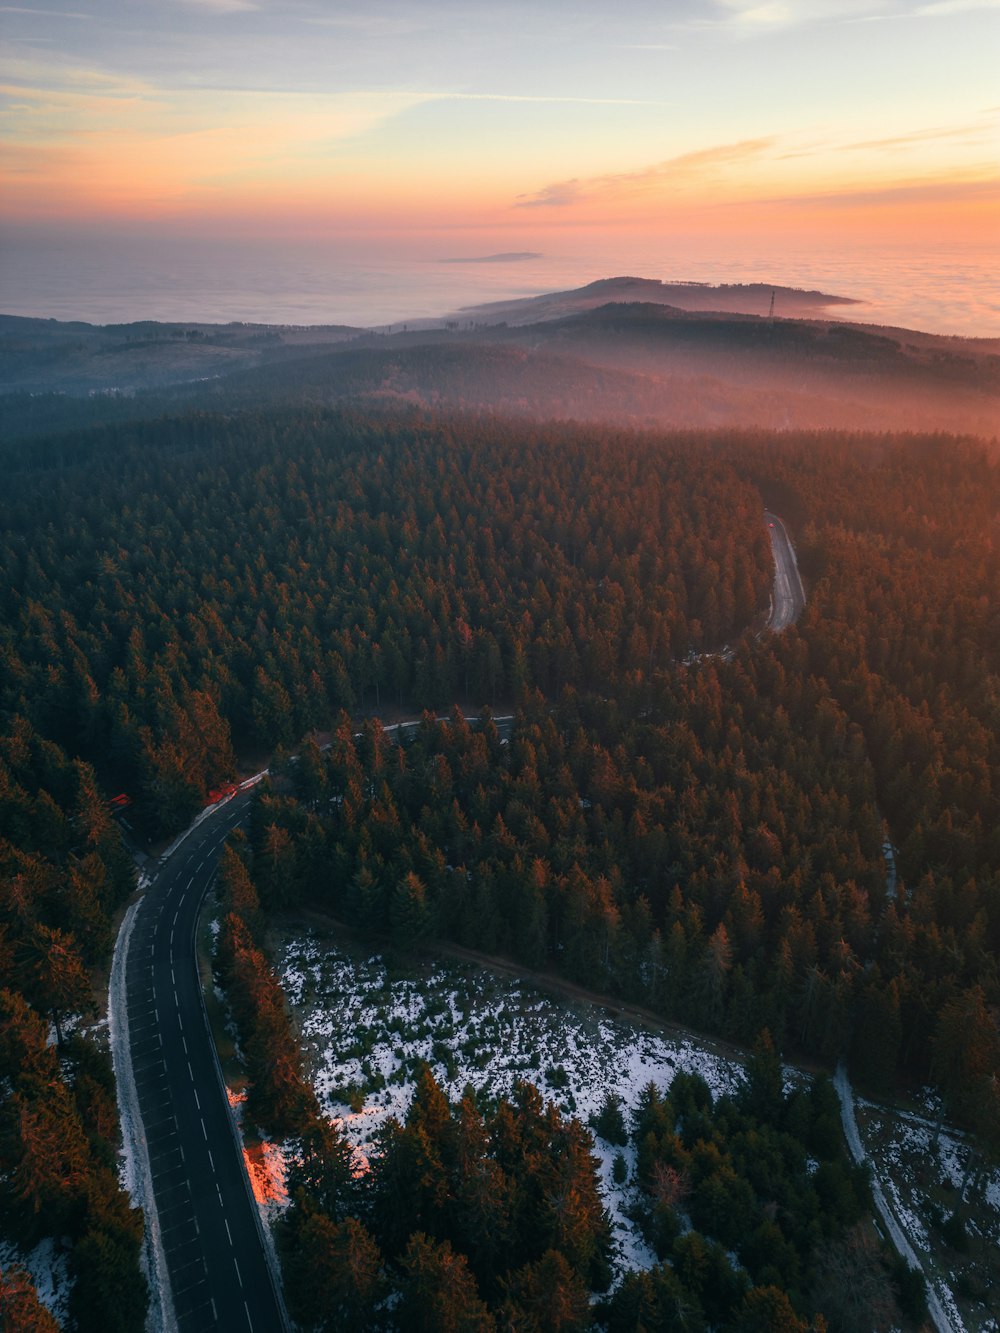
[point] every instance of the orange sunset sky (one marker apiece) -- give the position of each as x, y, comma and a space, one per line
864, 119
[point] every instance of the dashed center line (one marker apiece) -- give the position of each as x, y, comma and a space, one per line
172, 896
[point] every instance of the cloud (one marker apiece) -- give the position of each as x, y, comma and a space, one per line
44, 13
769, 15
936, 192
914, 137
558, 195
766, 16
222, 6
368, 25
939, 8
39, 77
110, 145
543, 98
747, 20
674, 170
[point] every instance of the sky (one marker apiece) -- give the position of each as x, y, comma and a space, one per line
503, 124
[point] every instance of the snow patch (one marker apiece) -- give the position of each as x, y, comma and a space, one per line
364, 1031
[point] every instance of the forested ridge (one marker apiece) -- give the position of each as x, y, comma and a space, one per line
610, 352
696, 832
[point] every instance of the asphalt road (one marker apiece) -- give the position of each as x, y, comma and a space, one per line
789, 596
209, 1229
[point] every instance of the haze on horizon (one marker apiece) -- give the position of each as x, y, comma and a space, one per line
461, 132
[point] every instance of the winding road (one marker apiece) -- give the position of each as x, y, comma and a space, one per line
940, 1317
205, 1242
212, 1265
789, 597
205, 1229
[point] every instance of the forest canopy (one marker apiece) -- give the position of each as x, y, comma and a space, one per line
688, 810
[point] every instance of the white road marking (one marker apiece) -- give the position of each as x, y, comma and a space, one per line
228, 1232
238, 1273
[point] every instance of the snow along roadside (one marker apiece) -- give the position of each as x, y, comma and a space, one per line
138, 1174
943, 1321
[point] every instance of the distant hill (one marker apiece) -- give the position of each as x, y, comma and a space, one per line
506, 257
632, 362
738, 298
78, 358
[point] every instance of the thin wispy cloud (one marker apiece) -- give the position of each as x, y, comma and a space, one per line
916, 137
940, 8
221, 6
674, 170
774, 15
367, 25
543, 98
35, 79
44, 13
937, 191
559, 195
749, 19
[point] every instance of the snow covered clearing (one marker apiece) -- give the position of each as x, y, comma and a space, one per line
365, 1029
